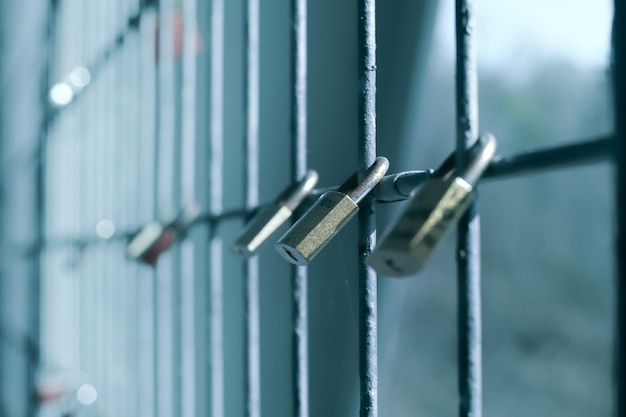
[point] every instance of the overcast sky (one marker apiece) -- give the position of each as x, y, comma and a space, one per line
510, 30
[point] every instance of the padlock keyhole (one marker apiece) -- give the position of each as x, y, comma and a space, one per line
291, 255
391, 264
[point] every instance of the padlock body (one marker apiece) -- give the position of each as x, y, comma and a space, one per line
308, 236
144, 240
407, 245
260, 228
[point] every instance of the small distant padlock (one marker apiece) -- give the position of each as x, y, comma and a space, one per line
274, 215
408, 244
327, 216
155, 238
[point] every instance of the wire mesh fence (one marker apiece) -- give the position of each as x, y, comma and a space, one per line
147, 156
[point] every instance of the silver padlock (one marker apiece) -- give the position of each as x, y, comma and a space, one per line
408, 244
330, 213
155, 238
270, 218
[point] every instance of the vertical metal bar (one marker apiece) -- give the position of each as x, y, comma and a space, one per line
174, 269
100, 201
81, 323
300, 337
90, 185
188, 171
146, 163
166, 285
35, 291
251, 273
83, 173
468, 243
95, 191
132, 342
368, 294
619, 97
131, 286
113, 208
216, 167
188, 124
108, 193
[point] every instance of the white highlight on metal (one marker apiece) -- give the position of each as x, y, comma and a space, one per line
105, 229
87, 394
144, 239
80, 77
61, 94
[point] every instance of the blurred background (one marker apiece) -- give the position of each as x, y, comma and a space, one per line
105, 125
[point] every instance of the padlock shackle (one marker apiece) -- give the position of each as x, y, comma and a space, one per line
478, 165
373, 176
186, 218
293, 195
480, 155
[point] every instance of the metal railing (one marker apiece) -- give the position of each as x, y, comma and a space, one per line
395, 187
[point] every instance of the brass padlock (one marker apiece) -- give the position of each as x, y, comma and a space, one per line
154, 238
327, 216
408, 244
274, 215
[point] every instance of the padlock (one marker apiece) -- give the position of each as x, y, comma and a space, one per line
154, 238
274, 215
330, 213
408, 244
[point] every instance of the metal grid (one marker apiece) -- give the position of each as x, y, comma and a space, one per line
175, 168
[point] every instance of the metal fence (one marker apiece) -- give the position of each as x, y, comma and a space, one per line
123, 144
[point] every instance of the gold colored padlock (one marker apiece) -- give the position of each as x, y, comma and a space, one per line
270, 218
330, 213
409, 243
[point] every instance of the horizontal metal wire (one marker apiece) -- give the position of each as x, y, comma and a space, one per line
211, 219
101, 61
94, 68
396, 187
574, 154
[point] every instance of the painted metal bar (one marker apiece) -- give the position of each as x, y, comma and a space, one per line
468, 237
109, 268
188, 102
182, 79
251, 269
300, 336
619, 97
154, 302
123, 153
165, 326
216, 202
89, 201
35, 290
134, 286
368, 296
116, 165
188, 187
146, 208
177, 184
108, 189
